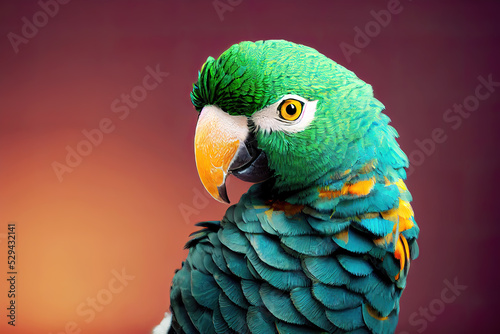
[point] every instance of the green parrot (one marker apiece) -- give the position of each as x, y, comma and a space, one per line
322, 242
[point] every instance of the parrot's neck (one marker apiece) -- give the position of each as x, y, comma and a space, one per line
367, 183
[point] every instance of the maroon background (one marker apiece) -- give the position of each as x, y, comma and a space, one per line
122, 206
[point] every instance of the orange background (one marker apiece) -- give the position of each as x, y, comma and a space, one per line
121, 206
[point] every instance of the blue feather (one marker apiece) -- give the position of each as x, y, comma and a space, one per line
204, 289
305, 303
378, 326
264, 222
348, 319
232, 289
284, 280
328, 226
260, 322
220, 325
219, 259
381, 295
279, 304
237, 264
378, 226
204, 323
233, 315
310, 245
250, 290
289, 226
284, 328
356, 242
327, 270
272, 254
356, 265
231, 237
336, 298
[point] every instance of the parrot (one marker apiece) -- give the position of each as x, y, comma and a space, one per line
323, 239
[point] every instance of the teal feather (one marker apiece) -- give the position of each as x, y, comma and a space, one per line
250, 222
355, 265
377, 226
272, 254
232, 289
250, 227
328, 226
356, 243
414, 250
237, 264
288, 226
264, 222
204, 323
383, 300
233, 315
348, 319
249, 216
197, 261
204, 289
305, 303
380, 326
279, 304
219, 259
285, 328
284, 280
231, 215
336, 297
209, 264
310, 245
327, 270
178, 306
251, 292
231, 237
381, 295
391, 266
260, 322
220, 325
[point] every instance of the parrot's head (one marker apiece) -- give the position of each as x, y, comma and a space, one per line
275, 110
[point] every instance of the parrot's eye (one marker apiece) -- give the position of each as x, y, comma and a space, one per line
290, 109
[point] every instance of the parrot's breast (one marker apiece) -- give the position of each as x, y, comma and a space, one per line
274, 267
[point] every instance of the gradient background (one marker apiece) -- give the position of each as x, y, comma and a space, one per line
121, 207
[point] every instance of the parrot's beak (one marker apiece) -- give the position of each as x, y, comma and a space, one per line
223, 145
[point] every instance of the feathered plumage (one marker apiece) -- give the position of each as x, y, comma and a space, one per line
324, 244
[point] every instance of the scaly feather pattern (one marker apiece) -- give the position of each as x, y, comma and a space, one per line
280, 283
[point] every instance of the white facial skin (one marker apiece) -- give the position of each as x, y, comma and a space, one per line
269, 119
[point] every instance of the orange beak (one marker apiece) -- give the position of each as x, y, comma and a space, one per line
216, 143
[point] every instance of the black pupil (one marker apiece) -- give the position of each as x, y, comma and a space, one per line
291, 109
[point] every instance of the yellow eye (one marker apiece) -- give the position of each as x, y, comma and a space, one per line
290, 109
